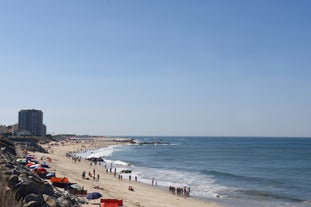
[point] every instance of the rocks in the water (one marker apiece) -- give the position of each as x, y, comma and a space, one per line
153, 143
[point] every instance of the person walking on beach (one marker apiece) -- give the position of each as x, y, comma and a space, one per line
83, 175
97, 177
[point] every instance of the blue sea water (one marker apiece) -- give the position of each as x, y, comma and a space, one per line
235, 171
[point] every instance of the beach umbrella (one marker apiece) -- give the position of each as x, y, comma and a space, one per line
20, 160
41, 169
76, 186
94, 195
35, 166
49, 175
30, 157
44, 164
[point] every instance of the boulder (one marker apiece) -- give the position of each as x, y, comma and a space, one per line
7, 172
9, 165
26, 187
12, 181
49, 201
65, 202
33, 204
32, 197
47, 189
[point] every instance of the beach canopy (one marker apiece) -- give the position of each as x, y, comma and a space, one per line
94, 195
59, 180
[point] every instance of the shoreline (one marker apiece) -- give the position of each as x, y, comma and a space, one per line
108, 185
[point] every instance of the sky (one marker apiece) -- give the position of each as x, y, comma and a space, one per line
158, 68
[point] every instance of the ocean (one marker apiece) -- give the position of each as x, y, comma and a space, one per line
234, 171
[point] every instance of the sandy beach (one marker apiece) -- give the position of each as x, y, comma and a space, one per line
110, 186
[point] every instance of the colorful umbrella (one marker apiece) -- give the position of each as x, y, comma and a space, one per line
94, 195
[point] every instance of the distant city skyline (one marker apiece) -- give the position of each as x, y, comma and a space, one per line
175, 68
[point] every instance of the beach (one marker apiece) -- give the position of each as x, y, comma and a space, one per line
108, 184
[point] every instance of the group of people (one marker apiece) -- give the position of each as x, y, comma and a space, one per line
185, 191
154, 182
73, 157
180, 191
90, 175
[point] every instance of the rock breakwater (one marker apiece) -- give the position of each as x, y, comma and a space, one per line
19, 187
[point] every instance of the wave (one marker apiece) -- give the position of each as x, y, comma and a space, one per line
258, 193
202, 186
97, 153
260, 180
266, 194
307, 202
122, 163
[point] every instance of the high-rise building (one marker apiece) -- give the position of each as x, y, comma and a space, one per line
31, 120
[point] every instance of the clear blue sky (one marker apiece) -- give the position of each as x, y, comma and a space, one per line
164, 67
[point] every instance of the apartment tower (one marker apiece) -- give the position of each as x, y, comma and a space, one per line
32, 121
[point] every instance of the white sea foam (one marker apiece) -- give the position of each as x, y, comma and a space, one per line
201, 185
101, 152
122, 163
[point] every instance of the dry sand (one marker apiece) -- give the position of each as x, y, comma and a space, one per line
143, 194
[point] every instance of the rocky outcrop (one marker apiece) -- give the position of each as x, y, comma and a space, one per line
157, 142
21, 188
